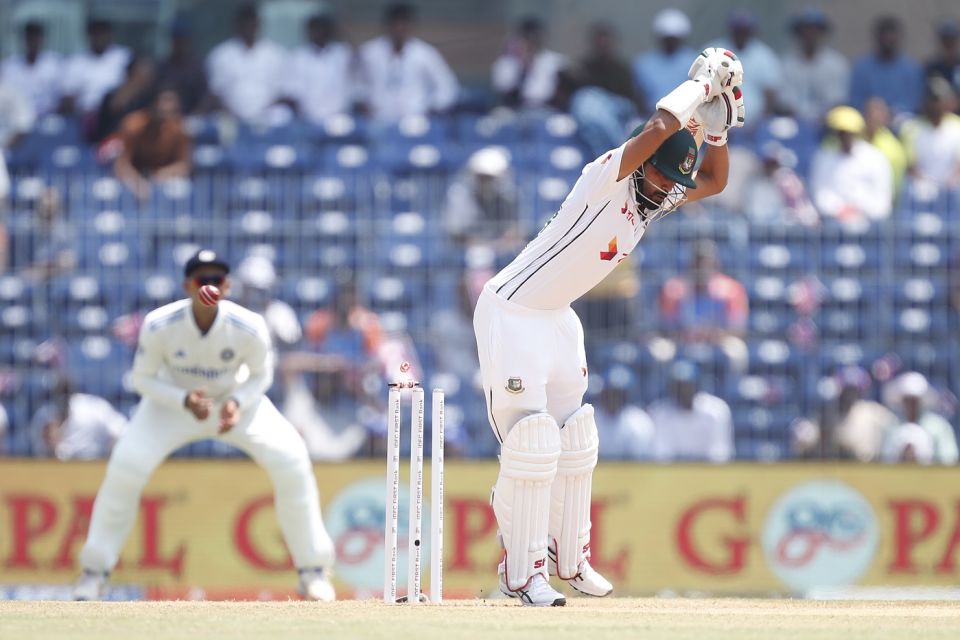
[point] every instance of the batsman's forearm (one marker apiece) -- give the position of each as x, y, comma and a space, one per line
159, 391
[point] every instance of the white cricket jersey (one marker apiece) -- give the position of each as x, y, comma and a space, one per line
234, 359
597, 226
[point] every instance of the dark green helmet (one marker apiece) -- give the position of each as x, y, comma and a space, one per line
676, 157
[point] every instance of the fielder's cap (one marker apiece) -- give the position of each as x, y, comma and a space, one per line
845, 119
671, 23
677, 157
205, 258
810, 17
742, 19
948, 28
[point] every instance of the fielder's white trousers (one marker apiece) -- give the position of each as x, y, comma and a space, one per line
541, 352
156, 431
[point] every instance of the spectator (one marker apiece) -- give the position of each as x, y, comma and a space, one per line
856, 427
133, 94
4, 431
481, 205
257, 278
348, 330
691, 424
626, 431
76, 426
778, 194
946, 63
932, 139
658, 71
761, 86
911, 396
850, 179
403, 75
603, 66
16, 116
527, 74
706, 305
53, 246
247, 72
36, 74
155, 145
321, 72
909, 443
819, 75
183, 72
887, 73
88, 76
877, 117
453, 341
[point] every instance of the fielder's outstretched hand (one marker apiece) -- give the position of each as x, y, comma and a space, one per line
229, 415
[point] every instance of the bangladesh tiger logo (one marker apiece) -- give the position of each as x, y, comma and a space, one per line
687, 165
515, 385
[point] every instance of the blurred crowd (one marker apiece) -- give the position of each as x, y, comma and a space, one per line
828, 140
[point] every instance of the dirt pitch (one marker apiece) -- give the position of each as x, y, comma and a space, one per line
649, 619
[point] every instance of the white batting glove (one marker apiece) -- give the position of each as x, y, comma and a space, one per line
719, 115
720, 67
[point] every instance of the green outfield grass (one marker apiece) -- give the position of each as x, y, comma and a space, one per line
647, 619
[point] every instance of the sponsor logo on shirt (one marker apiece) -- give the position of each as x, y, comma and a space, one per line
180, 354
611, 251
514, 385
201, 372
625, 210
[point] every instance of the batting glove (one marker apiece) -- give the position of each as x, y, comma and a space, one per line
720, 67
721, 114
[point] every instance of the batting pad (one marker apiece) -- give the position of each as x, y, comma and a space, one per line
521, 499
570, 493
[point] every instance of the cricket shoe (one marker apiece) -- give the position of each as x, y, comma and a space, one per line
536, 593
587, 581
91, 585
315, 585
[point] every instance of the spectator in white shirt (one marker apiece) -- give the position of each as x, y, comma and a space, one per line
626, 431
932, 139
88, 76
247, 73
659, 70
851, 180
16, 115
76, 426
909, 443
819, 75
691, 424
403, 75
321, 72
762, 83
912, 397
527, 74
37, 74
257, 278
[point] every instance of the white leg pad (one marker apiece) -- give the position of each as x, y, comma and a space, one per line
571, 491
521, 498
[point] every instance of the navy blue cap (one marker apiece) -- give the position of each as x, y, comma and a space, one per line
205, 258
811, 17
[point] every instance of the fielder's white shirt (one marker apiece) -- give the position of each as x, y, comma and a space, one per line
248, 79
88, 77
39, 82
597, 226
320, 80
234, 359
412, 82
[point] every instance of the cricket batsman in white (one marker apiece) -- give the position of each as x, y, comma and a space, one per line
530, 342
202, 368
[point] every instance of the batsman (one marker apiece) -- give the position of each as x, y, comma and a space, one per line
530, 341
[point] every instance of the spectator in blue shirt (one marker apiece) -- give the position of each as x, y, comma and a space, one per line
658, 71
887, 73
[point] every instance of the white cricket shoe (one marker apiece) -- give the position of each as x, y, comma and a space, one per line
315, 585
91, 585
587, 581
536, 593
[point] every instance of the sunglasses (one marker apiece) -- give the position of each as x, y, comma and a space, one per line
209, 279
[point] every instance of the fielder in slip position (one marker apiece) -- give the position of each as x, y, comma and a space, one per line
202, 369
530, 342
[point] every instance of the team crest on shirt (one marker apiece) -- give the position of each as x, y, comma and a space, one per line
687, 165
514, 385
180, 354
227, 355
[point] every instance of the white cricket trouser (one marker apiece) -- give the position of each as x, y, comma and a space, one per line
156, 431
540, 351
